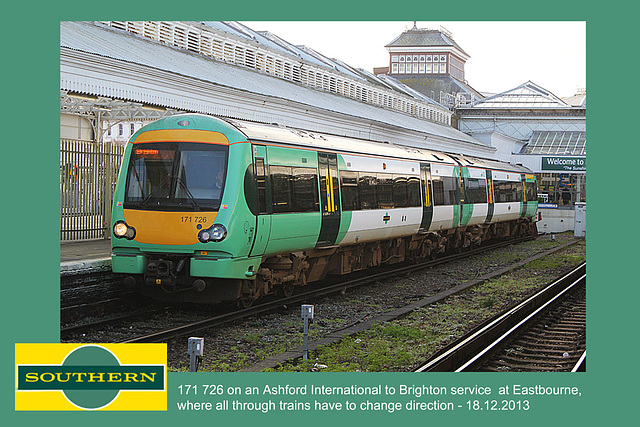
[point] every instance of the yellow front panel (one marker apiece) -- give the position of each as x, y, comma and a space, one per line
168, 228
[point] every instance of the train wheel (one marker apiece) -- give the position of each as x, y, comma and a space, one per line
286, 289
248, 293
246, 302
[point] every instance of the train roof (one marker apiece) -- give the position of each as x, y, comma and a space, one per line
302, 138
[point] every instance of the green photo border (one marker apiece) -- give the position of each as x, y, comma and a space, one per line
30, 211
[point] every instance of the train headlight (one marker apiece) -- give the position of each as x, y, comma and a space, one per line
122, 231
218, 232
215, 233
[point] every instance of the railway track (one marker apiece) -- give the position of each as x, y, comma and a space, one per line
89, 288
341, 287
554, 343
186, 326
75, 316
100, 318
546, 332
265, 307
94, 298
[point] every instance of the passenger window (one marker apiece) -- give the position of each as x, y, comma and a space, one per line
413, 192
499, 191
507, 191
294, 189
532, 191
281, 185
400, 197
305, 190
476, 190
519, 192
350, 196
367, 191
451, 188
384, 191
437, 186
445, 190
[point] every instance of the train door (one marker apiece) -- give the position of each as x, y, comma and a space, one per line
427, 197
490, 199
523, 189
329, 199
466, 208
457, 200
263, 219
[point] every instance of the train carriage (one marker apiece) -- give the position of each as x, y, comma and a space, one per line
208, 210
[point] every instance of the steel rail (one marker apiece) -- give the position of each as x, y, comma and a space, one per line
309, 295
581, 364
80, 327
518, 326
470, 349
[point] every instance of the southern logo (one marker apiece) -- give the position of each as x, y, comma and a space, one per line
91, 377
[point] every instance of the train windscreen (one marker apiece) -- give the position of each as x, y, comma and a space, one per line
176, 176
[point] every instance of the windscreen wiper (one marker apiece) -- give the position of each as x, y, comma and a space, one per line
155, 190
186, 189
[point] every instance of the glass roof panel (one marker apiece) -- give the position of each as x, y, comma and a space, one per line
527, 95
559, 143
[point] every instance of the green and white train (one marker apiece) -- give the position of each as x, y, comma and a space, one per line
209, 210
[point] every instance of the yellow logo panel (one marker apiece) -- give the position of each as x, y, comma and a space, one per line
113, 377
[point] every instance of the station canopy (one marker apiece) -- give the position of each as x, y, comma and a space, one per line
556, 143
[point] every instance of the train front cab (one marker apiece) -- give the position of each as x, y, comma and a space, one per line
179, 214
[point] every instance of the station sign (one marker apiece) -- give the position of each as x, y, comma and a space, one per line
564, 164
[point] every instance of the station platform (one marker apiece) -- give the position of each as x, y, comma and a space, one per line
85, 257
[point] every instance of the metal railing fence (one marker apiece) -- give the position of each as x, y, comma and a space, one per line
88, 173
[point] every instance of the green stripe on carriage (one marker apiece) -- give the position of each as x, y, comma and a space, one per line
345, 223
456, 216
467, 213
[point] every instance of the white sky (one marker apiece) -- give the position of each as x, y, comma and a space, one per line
503, 54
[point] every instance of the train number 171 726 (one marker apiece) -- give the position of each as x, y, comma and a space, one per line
194, 219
